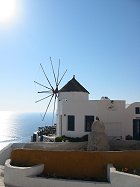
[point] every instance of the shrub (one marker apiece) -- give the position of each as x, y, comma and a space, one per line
60, 139
71, 139
129, 137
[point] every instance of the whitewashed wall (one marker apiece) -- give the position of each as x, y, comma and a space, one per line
121, 179
71, 96
130, 115
74, 103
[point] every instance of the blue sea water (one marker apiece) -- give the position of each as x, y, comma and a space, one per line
19, 127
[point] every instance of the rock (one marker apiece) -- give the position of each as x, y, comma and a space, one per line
97, 139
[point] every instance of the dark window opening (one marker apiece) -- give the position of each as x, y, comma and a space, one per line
88, 123
137, 110
71, 123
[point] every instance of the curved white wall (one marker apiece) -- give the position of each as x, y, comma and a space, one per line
26, 177
16, 176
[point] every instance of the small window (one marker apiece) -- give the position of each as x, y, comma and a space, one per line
88, 123
71, 123
137, 110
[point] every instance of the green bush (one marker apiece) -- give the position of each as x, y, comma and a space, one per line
59, 139
71, 139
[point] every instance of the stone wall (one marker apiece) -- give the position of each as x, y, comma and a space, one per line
120, 145
115, 145
57, 145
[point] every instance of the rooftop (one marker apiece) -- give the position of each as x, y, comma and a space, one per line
73, 86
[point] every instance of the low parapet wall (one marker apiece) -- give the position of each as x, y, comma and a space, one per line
115, 145
76, 164
121, 145
57, 146
5, 154
27, 176
119, 179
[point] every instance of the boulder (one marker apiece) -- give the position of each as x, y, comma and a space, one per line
97, 139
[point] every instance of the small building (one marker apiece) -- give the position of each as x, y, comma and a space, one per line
76, 113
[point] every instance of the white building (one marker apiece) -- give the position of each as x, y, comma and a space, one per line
76, 113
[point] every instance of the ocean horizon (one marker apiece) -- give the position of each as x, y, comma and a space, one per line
18, 127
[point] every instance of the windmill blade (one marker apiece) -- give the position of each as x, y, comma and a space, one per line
53, 70
43, 98
49, 90
54, 110
46, 76
42, 85
62, 77
58, 73
45, 91
47, 107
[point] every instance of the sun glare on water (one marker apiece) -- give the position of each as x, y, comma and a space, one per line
7, 10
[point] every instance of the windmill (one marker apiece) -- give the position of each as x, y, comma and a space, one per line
50, 90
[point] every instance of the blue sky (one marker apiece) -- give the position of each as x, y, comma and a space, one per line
98, 41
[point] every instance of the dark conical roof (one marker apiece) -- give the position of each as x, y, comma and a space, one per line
73, 86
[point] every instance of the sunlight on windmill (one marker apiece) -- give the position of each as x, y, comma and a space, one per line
7, 10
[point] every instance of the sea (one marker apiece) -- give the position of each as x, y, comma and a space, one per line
18, 127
